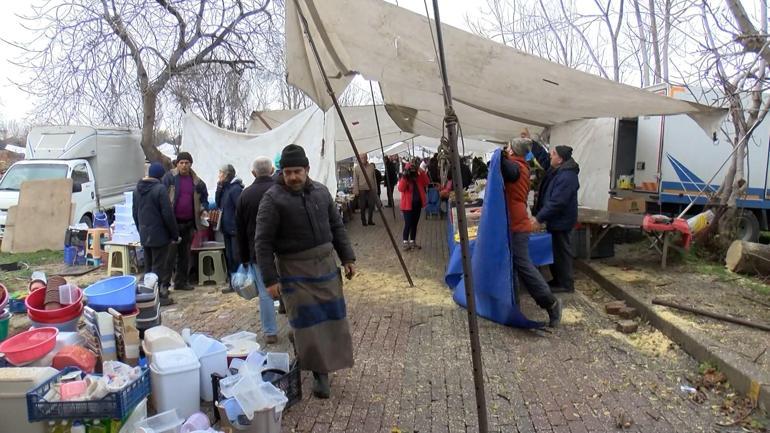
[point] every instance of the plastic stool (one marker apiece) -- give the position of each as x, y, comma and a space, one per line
95, 238
118, 260
215, 259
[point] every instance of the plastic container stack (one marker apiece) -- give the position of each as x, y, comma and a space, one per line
124, 230
212, 356
159, 339
148, 303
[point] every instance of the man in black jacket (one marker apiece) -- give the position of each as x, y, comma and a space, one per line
246, 224
157, 227
391, 176
299, 229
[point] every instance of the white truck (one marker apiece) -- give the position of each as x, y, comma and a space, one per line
669, 158
103, 163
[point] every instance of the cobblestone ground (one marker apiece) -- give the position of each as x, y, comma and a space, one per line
413, 363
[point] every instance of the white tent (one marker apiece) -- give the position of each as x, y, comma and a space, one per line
213, 147
496, 89
360, 121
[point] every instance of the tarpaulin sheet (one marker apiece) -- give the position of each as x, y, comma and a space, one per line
213, 147
494, 277
496, 89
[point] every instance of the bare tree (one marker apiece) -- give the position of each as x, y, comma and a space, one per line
89, 55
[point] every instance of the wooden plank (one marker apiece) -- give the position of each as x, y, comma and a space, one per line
593, 216
42, 216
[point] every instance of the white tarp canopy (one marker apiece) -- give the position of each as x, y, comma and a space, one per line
497, 89
213, 147
360, 120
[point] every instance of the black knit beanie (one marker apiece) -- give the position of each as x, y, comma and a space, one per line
565, 152
294, 156
184, 156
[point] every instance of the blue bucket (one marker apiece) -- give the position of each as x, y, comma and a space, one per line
70, 255
117, 291
100, 220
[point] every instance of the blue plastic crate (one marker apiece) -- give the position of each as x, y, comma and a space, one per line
17, 306
116, 405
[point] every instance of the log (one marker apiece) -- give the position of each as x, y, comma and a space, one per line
736, 320
748, 258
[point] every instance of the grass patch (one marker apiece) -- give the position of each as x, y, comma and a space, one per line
32, 260
707, 267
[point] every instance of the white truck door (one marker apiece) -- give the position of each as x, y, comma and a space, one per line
83, 191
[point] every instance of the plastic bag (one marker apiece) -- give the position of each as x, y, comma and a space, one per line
243, 283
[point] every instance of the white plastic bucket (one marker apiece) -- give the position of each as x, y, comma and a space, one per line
213, 358
175, 378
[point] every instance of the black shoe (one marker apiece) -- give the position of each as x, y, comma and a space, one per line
363, 223
321, 388
560, 289
554, 314
165, 301
553, 283
281, 308
228, 290
183, 286
371, 223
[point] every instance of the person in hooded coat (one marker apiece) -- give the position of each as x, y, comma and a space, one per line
158, 230
557, 209
229, 189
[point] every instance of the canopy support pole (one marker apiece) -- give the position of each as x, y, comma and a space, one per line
451, 121
382, 148
369, 182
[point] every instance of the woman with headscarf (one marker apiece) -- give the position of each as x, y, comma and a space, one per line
229, 190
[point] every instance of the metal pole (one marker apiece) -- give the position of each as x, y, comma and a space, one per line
473, 326
382, 149
350, 138
708, 184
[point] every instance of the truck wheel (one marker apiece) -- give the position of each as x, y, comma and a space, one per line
88, 221
748, 226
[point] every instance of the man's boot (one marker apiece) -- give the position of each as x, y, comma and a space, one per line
165, 299
321, 388
554, 314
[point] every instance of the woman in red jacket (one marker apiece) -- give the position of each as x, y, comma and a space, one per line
412, 186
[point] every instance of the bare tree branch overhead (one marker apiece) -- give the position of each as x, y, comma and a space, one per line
112, 61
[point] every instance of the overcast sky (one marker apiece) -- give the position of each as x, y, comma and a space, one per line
14, 104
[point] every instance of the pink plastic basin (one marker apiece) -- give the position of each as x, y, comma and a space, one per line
37, 312
29, 345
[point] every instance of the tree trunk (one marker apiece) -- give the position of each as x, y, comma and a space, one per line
655, 43
149, 107
642, 45
748, 258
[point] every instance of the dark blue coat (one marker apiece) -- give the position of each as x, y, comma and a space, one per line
557, 201
227, 200
153, 215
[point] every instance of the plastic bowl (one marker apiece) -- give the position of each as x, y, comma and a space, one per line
112, 292
68, 326
123, 309
36, 318
29, 345
37, 312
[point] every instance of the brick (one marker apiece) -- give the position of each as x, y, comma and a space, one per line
627, 326
614, 307
628, 313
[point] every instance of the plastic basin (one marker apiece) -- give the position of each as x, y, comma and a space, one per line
37, 312
112, 292
3, 296
52, 321
29, 345
68, 326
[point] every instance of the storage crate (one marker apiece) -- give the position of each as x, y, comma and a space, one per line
290, 383
116, 405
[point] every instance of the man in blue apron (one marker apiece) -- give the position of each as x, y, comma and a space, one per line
298, 232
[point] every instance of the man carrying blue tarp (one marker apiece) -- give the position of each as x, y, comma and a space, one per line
515, 171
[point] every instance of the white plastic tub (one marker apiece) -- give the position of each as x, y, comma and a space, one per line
166, 422
175, 378
213, 358
14, 384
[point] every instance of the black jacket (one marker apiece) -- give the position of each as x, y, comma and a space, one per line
246, 215
153, 215
226, 199
289, 222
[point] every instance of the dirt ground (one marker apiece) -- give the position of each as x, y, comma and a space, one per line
704, 286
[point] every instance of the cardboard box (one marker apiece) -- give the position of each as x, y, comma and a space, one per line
636, 205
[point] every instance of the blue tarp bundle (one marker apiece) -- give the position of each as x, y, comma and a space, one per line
494, 277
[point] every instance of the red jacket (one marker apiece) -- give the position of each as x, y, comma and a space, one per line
516, 194
405, 188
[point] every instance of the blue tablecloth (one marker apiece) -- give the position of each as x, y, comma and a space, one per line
494, 276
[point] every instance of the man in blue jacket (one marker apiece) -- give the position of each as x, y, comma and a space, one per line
556, 208
229, 190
